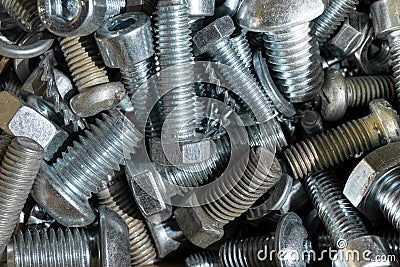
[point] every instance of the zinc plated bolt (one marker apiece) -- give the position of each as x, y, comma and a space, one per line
63, 189
340, 93
25, 12
290, 42
350, 139
106, 246
18, 171
335, 13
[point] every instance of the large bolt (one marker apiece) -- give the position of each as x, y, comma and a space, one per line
340, 93
291, 45
25, 13
350, 139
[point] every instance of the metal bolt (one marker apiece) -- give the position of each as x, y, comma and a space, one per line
340, 93
25, 13
350, 139
242, 48
312, 123
106, 246
205, 258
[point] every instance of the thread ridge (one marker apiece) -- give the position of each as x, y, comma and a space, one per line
25, 13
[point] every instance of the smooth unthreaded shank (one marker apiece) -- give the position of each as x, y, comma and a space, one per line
25, 13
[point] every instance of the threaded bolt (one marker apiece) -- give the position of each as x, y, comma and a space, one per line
340, 93
206, 258
118, 197
352, 138
5, 140
242, 48
25, 13
335, 13
85, 168
18, 171
394, 44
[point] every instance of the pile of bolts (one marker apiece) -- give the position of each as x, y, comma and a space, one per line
199, 133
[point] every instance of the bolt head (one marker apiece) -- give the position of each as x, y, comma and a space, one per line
385, 16
201, 8
389, 121
267, 15
334, 96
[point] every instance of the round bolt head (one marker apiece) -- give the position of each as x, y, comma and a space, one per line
385, 16
267, 15
334, 96
389, 121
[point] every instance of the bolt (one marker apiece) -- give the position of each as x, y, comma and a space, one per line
341, 220
105, 246
203, 225
385, 18
64, 188
335, 13
312, 123
214, 39
117, 196
18, 171
25, 13
348, 140
373, 185
5, 140
198, 10
290, 43
242, 48
290, 236
340, 93
206, 258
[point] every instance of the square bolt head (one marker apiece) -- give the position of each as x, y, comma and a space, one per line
385, 16
211, 34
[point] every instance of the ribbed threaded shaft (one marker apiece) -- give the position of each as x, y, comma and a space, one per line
86, 166
334, 146
293, 57
251, 92
84, 61
118, 197
392, 238
388, 195
242, 191
339, 217
18, 171
174, 50
206, 258
25, 13
362, 90
244, 252
48, 248
149, 6
336, 12
5, 140
242, 48
115, 7
394, 43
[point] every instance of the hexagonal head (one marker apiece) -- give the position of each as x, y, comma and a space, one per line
201, 8
389, 121
334, 96
359, 188
206, 38
19, 120
125, 40
385, 16
346, 40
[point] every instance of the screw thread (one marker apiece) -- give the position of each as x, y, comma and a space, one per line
394, 43
18, 171
206, 258
149, 7
251, 92
392, 238
293, 57
242, 190
48, 248
84, 61
5, 140
86, 166
242, 48
339, 217
387, 195
336, 12
268, 134
115, 7
25, 13
244, 252
362, 90
118, 197
174, 50
334, 146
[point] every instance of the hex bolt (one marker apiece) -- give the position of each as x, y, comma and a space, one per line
198, 10
290, 43
312, 123
18, 171
64, 188
352, 138
214, 39
206, 258
242, 48
340, 93
25, 13
174, 50
335, 13
340, 218
118, 197
105, 246
203, 225
87, 70
377, 188
385, 18
290, 235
